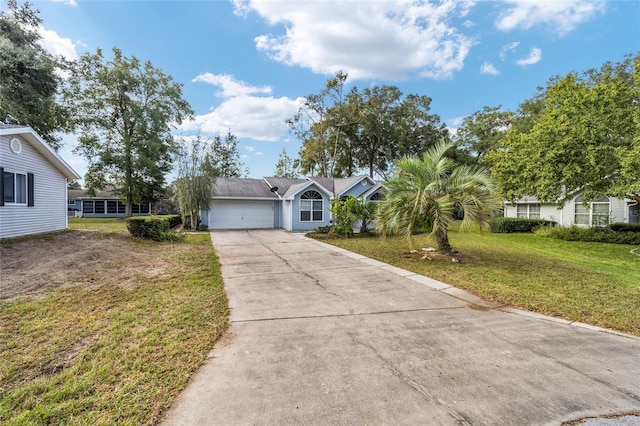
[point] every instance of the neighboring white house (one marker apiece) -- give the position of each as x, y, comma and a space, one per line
33, 184
602, 211
290, 204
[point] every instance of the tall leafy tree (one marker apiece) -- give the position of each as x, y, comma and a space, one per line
482, 132
28, 80
222, 158
124, 111
312, 126
286, 166
581, 135
427, 191
192, 189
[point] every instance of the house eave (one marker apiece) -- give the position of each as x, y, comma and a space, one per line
43, 148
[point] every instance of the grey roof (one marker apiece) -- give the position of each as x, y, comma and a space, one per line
326, 182
242, 188
287, 187
342, 185
283, 184
76, 194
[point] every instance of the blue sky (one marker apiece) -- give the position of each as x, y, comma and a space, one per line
245, 65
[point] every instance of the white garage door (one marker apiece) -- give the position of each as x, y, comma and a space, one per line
234, 214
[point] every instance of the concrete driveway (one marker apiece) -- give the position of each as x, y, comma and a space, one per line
321, 336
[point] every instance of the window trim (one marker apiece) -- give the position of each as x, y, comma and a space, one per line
311, 197
27, 192
528, 213
606, 219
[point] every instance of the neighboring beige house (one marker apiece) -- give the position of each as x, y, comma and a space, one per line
602, 211
33, 184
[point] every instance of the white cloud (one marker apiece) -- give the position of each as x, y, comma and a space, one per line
58, 45
230, 86
259, 118
381, 39
534, 57
488, 68
67, 2
560, 16
508, 48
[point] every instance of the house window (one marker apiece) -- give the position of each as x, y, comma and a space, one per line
528, 211
99, 207
112, 206
377, 197
72, 202
15, 188
87, 206
311, 207
595, 213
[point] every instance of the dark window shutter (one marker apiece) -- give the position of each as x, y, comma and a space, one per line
1, 186
30, 195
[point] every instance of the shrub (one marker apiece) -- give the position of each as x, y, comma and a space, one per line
598, 235
324, 229
341, 230
174, 220
506, 225
624, 227
155, 228
334, 230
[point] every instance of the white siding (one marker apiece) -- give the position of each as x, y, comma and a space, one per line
618, 211
49, 212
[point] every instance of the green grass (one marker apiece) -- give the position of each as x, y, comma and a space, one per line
107, 353
595, 283
105, 225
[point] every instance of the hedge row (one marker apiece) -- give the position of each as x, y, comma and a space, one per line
157, 228
507, 225
597, 235
624, 227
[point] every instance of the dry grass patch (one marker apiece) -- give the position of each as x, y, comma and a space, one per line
115, 334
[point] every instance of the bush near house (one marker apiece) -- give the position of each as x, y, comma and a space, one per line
157, 228
507, 225
617, 233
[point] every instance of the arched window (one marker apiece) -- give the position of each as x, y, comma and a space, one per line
595, 213
377, 197
311, 207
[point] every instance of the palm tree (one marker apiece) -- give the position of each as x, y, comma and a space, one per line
427, 191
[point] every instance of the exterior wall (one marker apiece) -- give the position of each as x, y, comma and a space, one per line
297, 225
49, 212
618, 211
358, 189
286, 214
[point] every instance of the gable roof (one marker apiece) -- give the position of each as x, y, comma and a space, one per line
345, 184
29, 135
287, 188
283, 184
225, 187
76, 194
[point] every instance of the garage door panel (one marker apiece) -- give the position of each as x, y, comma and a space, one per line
233, 214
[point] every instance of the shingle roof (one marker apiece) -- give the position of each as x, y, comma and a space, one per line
242, 188
283, 184
75, 194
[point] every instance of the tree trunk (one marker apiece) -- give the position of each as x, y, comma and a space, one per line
442, 240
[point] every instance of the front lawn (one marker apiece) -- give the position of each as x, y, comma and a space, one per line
595, 283
113, 331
